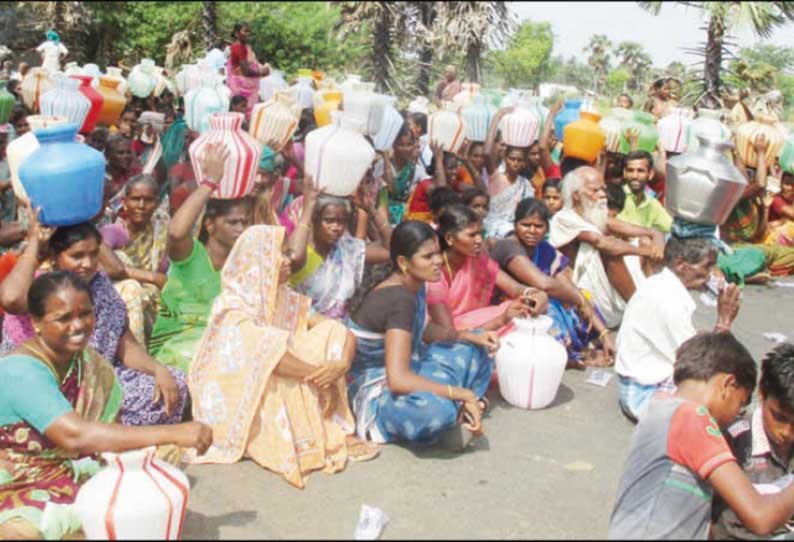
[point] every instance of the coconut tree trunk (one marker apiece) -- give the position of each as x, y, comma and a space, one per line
423, 74
473, 54
381, 45
713, 62
209, 19
427, 12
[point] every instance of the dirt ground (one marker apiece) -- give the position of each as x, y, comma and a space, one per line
550, 473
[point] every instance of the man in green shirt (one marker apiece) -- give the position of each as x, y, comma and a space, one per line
640, 208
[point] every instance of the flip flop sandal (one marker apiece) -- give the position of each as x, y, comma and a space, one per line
456, 439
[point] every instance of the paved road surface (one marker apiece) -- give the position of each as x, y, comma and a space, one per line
541, 474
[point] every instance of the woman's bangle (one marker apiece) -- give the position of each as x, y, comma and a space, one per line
449, 392
304, 225
213, 186
603, 333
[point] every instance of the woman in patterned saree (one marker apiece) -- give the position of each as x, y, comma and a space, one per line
153, 393
269, 377
58, 400
329, 267
139, 238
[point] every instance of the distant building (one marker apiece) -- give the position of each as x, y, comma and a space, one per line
547, 89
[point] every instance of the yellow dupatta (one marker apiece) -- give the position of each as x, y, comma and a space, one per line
276, 421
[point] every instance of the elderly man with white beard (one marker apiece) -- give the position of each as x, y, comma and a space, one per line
605, 266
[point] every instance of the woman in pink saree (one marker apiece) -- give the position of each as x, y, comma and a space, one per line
462, 298
242, 69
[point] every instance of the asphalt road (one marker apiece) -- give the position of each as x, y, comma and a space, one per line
550, 473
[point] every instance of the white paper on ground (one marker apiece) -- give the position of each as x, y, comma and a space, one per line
774, 337
599, 377
371, 522
784, 284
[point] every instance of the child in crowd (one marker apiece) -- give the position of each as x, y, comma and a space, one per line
678, 456
440, 199
616, 199
477, 200
763, 442
552, 195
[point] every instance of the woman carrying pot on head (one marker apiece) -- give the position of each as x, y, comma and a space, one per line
276, 367
402, 389
400, 173
461, 298
139, 239
527, 257
194, 269
59, 399
506, 185
153, 393
328, 263
242, 69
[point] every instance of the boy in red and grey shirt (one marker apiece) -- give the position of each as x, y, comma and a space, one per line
679, 457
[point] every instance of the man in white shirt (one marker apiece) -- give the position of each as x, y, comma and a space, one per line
658, 319
52, 51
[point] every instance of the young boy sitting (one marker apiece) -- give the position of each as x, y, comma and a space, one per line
763, 442
678, 456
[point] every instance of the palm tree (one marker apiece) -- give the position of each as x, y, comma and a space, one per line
424, 18
385, 23
598, 47
209, 19
762, 17
474, 28
634, 58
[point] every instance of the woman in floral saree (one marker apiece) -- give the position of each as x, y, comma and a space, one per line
329, 267
58, 400
139, 238
269, 376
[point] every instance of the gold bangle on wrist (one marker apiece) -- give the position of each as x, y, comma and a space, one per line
449, 392
304, 225
603, 333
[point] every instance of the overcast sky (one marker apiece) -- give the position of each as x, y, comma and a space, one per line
662, 36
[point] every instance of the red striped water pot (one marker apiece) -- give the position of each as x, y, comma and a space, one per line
136, 496
242, 162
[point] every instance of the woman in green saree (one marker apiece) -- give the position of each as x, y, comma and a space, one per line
58, 401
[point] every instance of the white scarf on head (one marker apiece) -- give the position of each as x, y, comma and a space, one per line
588, 269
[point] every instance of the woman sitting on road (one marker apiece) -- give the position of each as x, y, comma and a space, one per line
400, 388
269, 377
58, 400
329, 267
153, 393
139, 239
461, 299
531, 260
194, 272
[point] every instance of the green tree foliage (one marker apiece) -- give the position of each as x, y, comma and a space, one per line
570, 72
617, 81
636, 61
289, 35
526, 61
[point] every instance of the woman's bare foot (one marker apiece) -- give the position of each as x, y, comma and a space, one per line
596, 358
361, 450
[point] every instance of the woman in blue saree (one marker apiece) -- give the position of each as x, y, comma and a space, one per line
533, 261
400, 388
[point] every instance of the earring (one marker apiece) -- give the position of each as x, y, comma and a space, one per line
404, 270
38, 331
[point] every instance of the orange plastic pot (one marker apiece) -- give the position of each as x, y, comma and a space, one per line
113, 101
584, 138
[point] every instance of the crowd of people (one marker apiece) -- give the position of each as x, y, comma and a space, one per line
304, 330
